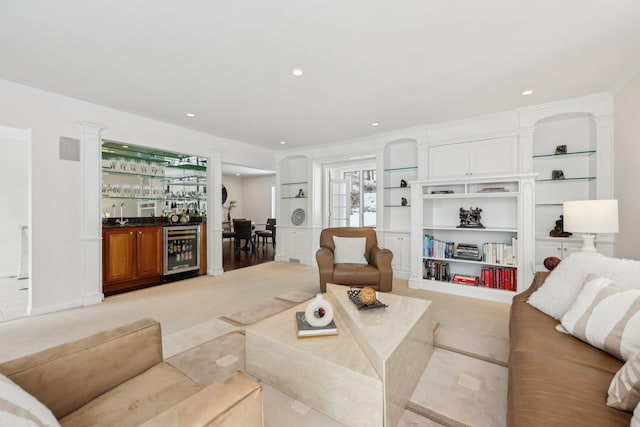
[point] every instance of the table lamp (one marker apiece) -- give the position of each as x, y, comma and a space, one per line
590, 217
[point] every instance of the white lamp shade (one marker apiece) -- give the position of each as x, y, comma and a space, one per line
591, 216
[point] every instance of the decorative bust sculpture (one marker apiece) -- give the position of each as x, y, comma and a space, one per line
558, 230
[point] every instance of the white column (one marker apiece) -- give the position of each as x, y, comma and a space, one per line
91, 237
214, 214
525, 149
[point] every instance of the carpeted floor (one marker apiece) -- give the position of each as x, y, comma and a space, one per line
201, 318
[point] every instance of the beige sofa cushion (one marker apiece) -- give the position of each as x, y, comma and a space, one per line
135, 401
549, 391
98, 362
235, 400
532, 330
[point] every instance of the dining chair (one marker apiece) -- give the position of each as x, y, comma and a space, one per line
227, 233
243, 231
268, 232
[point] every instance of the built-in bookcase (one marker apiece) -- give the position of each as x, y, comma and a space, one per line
503, 253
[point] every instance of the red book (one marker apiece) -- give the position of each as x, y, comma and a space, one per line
507, 280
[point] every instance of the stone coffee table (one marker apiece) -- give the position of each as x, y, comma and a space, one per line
365, 375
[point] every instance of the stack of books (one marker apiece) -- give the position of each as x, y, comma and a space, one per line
435, 270
463, 279
468, 251
500, 278
306, 330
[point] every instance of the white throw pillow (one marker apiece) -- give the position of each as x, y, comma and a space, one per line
624, 391
19, 408
607, 316
562, 285
349, 250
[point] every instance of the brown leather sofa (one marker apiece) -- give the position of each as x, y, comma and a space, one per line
118, 378
554, 378
377, 273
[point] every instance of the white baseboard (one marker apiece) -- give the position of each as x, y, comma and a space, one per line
53, 308
92, 299
215, 272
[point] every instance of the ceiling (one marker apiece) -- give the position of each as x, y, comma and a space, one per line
400, 63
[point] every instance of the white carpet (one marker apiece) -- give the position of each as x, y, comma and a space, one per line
189, 313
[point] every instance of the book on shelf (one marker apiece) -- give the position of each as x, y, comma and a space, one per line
499, 278
500, 253
464, 279
432, 247
467, 251
306, 330
435, 270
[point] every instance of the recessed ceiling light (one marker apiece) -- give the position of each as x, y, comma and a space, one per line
237, 174
527, 92
125, 146
191, 115
297, 72
375, 124
283, 142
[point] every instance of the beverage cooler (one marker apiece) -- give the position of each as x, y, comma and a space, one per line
181, 249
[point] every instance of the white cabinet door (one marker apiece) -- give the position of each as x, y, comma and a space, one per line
447, 161
493, 157
399, 245
498, 156
555, 248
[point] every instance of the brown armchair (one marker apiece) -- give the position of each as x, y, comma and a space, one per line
377, 273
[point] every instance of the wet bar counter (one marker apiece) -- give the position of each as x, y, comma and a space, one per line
133, 253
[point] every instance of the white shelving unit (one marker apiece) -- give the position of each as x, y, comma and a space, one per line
297, 197
506, 217
579, 166
400, 164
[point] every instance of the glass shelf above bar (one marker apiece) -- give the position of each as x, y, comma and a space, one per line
572, 154
406, 168
397, 188
294, 197
141, 175
182, 199
397, 206
584, 178
293, 183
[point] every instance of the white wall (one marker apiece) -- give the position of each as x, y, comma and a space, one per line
253, 195
56, 226
14, 189
627, 159
235, 191
257, 197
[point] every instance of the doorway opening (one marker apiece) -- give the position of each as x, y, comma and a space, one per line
15, 256
250, 195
